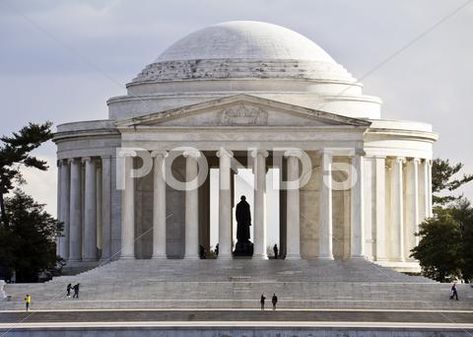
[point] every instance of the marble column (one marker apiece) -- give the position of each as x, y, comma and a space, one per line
259, 171
412, 205
128, 209
380, 208
75, 221
159, 206
192, 206
293, 236
90, 209
106, 208
397, 209
65, 207
60, 237
63, 203
429, 189
325, 207
224, 204
98, 198
357, 208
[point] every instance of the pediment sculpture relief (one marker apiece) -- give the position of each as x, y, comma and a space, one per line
244, 114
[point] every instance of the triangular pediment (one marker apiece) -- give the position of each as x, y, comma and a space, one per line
241, 110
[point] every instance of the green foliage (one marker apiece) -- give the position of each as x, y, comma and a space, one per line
15, 152
445, 250
444, 181
440, 247
463, 213
27, 242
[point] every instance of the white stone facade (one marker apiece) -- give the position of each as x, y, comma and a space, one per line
251, 92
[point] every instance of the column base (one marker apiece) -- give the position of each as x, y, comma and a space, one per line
326, 258
358, 257
89, 259
159, 257
192, 257
260, 257
105, 260
293, 257
127, 257
73, 260
225, 257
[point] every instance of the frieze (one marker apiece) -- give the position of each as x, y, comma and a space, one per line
225, 68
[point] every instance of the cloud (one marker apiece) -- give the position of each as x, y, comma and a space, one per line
42, 185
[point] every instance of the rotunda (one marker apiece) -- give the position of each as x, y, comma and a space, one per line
233, 96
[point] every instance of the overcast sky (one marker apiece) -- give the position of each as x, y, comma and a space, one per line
61, 60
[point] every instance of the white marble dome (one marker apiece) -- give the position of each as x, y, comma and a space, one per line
245, 57
245, 40
244, 49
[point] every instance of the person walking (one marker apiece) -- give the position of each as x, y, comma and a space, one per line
276, 251
261, 301
453, 292
27, 302
76, 291
68, 290
274, 300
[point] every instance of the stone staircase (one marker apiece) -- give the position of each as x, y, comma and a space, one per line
200, 284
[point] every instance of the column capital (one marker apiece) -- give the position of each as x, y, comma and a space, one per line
86, 159
224, 153
357, 153
328, 154
159, 153
293, 153
193, 153
72, 160
106, 156
416, 160
379, 156
126, 152
255, 152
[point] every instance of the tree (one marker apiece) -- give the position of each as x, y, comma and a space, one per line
463, 213
444, 181
15, 153
445, 250
440, 248
27, 242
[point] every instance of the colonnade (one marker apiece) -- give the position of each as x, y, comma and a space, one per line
225, 156
401, 187
84, 207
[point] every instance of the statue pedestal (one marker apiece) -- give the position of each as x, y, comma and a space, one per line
243, 249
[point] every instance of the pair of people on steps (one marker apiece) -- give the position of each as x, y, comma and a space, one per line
274, 300
75, 288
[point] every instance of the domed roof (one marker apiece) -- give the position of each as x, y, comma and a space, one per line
243, 50
245, 40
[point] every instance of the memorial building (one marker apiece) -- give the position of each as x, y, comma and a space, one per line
235, 95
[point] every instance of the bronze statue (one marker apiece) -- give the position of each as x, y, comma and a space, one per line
244, 246
243, 217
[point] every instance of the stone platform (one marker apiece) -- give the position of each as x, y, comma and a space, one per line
207, 284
